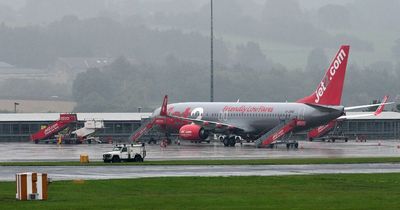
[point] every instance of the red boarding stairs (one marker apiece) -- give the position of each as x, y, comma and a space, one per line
55, 127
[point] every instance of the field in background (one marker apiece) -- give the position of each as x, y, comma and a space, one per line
33, 106
294, 56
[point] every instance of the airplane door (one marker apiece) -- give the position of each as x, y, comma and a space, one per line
223, 116
300, 113
124, 153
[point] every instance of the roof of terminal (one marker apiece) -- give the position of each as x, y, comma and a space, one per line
28, 117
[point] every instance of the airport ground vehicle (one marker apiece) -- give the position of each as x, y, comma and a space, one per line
63, 131
128, 153
88, 130
330, 132
54, 128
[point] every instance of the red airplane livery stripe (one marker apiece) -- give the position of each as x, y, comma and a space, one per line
247, 109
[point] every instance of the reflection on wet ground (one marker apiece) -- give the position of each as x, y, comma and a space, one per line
51, 152
7, 173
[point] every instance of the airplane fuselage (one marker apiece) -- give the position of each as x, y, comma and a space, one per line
196, 120
254, 118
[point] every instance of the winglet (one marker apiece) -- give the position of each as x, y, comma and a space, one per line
381, 107
163, 111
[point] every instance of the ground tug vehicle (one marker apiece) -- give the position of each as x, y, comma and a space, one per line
124, 152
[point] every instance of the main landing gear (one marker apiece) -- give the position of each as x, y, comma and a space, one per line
229, 141
293, 145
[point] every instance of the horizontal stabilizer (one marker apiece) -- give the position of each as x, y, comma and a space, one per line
365, 106
323, 108
377, 112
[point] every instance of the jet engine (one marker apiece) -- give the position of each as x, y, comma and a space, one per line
193, 132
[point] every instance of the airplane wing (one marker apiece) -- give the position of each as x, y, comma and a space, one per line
218, 127
376, 113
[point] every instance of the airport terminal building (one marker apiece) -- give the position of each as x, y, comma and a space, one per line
384, 126
119, 126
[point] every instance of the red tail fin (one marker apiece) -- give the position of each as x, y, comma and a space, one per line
163, 111
329, 90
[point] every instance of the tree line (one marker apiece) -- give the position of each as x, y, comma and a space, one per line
122, 86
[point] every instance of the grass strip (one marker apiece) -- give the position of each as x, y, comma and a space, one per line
293, 161
338, 191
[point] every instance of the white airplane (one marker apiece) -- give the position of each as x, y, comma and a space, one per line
263, 122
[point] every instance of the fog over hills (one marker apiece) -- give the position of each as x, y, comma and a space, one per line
117, 55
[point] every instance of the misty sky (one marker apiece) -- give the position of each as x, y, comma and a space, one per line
33, 12
258, 37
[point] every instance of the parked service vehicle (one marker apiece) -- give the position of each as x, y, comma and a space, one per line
123, 152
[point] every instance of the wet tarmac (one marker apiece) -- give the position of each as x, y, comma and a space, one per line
51, 152
7, 173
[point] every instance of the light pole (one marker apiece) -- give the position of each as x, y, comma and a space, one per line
15, 107
212, 55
